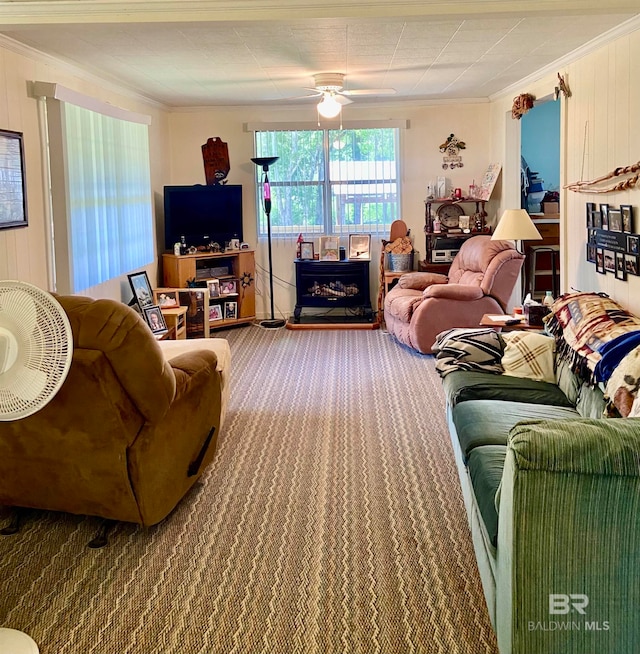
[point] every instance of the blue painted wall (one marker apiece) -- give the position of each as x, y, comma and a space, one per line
540, 142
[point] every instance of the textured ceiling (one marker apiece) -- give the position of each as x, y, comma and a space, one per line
179, 62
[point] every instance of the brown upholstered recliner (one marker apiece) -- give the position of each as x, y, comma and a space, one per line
127, 434
481, 280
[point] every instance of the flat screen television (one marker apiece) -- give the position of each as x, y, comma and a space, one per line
202, 214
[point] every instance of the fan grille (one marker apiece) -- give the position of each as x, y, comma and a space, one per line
38, 328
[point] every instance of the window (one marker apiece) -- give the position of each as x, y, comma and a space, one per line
100, 192
330, 181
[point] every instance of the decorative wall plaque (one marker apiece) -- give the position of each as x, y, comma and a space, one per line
215, 154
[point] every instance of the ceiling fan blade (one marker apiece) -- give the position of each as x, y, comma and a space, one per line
340, 99
369, 92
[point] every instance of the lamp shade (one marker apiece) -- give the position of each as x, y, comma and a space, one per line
516, 225
329, 107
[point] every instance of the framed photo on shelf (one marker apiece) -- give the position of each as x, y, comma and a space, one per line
230, 310
627, 218
306, 250
166, 298
633, 244
329, 248
360, 246
141, 288
215, 312
610, 261
600, 260
214, 287
155, 319
615, 220
631, 264
228, 287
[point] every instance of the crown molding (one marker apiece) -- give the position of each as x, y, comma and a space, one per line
624, 29
32, 12
76, 71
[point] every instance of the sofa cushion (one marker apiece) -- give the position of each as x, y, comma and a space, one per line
591, 402
567, 380
488, 422
461, 386
468, 349
485, 470
529, 354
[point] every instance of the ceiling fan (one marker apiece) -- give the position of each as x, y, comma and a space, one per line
330, 86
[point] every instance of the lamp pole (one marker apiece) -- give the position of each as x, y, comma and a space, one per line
265, 162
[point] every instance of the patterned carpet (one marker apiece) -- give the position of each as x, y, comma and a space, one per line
330, 522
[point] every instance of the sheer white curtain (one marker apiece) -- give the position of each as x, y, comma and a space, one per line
109, 187
100, 189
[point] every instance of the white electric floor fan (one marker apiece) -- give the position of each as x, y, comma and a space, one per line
36, 346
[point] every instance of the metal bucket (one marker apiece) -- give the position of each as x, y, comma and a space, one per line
400, 262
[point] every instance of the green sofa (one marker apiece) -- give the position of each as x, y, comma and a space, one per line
552, 493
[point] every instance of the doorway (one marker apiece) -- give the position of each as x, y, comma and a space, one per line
540, 195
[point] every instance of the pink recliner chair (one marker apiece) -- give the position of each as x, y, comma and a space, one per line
481, 280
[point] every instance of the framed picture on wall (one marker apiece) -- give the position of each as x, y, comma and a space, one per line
597, 219
591, 252
600, 260
631, 264
627, 217
633, 244
604, 211
591, 207
13, 195
615, 220
621, 271
610, 261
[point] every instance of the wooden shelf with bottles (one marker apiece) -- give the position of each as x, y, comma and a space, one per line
450, 229
195, 270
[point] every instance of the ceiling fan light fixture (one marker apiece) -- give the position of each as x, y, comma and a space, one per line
329, 107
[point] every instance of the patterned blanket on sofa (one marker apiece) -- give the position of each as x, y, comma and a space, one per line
583, 323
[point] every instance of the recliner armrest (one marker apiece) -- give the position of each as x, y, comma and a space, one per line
418, 281
454, 292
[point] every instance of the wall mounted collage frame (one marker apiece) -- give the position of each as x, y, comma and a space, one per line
611, 243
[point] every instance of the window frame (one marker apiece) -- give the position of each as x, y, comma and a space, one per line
327, 183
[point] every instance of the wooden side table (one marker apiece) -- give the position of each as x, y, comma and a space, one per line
176, 319
500, 322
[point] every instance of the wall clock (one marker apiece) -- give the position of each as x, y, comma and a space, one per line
449, 214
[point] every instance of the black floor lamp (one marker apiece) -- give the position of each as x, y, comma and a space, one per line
265, 162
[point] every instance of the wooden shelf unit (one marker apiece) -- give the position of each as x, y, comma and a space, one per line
180, 270
477, 228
